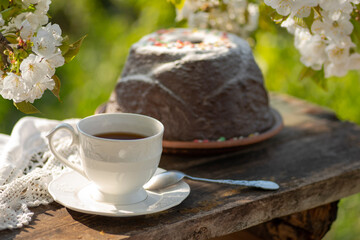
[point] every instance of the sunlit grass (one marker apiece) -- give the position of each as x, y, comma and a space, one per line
347, 225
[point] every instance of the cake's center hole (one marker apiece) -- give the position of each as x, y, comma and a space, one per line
192, 39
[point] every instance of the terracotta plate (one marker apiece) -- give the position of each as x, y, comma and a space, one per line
178, 147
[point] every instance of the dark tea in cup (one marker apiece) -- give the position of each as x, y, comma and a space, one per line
120, 135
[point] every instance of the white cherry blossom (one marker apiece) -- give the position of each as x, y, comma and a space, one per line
339, 52
47, 40
327, 44
35, 55
27, 3
42, 6
26, 30
302, 37
239, 16
302, 8
289, 24
57, 60
55, 30
313, 53
14, 88
336, 69
333, 30
283, 7
341, 13
34, 68
18, 21
336, 5
37, 20
311, 47
39, 88
44, 44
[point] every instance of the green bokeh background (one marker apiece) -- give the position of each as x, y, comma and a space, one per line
113, 26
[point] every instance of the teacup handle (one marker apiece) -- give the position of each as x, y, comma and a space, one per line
74, 140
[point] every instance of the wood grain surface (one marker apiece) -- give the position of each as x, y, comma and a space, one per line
314, 159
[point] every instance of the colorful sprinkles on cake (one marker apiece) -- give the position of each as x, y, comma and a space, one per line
162, 38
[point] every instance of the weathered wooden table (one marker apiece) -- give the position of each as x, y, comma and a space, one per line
315, 159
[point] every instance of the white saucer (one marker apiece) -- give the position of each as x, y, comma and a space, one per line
70, 190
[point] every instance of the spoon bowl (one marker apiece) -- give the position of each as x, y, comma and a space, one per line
169, 178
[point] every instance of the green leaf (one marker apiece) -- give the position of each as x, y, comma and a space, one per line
73, 50
179, 4
4, 3
26, 107
10, 12
31, 8
56, 90
317, 76
276, 17
306, 72
65, 45
355, 35
12, 38
310, 19
317, 10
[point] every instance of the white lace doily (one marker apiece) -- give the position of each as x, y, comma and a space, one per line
27, 167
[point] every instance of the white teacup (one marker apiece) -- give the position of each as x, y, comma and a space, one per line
118, 168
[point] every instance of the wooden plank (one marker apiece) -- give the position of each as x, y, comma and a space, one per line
310, 224
315, 159
239, 235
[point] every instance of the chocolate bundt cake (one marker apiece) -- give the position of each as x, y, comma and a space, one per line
201, 84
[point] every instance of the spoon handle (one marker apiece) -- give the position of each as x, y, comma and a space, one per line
268, 185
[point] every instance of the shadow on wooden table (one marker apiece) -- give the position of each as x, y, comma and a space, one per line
310, 224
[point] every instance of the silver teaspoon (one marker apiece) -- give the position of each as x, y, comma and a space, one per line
168, 178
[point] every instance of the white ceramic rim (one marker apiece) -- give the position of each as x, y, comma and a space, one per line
160, 125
